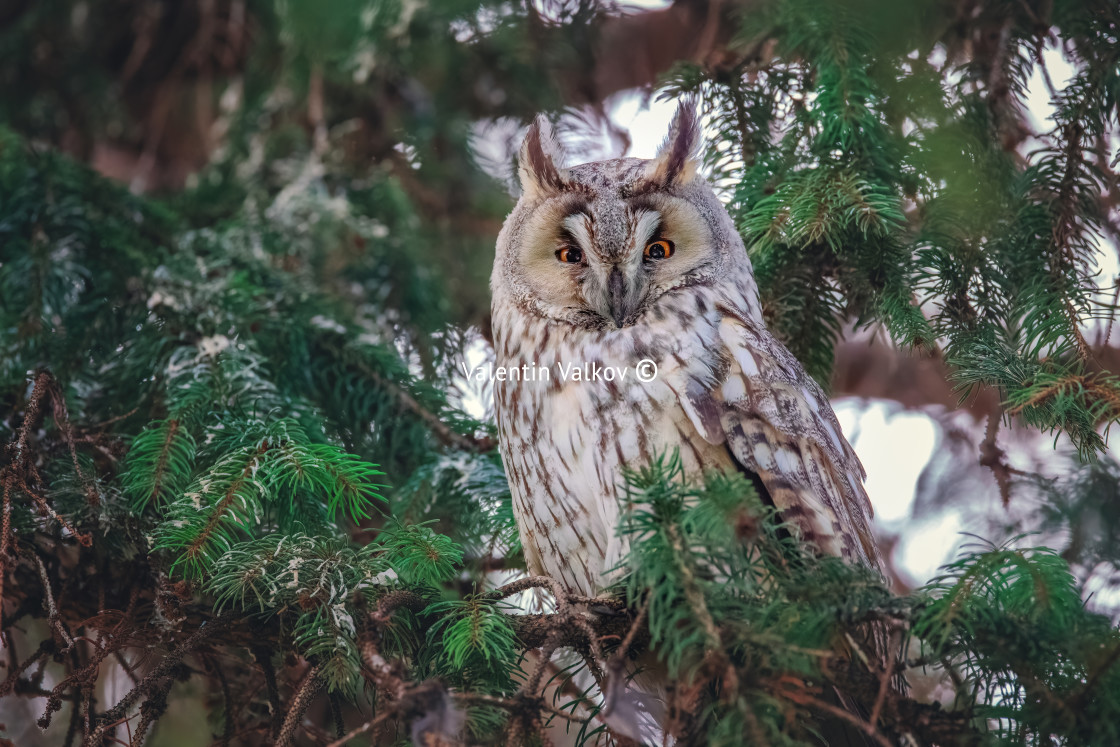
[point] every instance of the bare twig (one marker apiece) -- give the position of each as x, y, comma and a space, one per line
62, 420
21, 473
152, 709
544, 582
533, 681
356, 732
46, 648
53, 616
5, 539
881, 698
227, 699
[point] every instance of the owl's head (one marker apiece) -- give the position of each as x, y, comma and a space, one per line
600, 244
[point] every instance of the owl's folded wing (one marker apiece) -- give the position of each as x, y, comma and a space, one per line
778, 424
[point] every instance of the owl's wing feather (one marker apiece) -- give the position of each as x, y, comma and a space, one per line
778, 424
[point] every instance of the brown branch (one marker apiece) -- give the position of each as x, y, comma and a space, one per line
884, 687
227, 699
310, 686
559, 593
567, 618
46, 648
62, 420
358, 731
6, 539
152, 709
123, 663
802, 697
165, 669
1066, 221
22, 472
82, 679
395, 600
441, 430
47, 510
264, 658
617, 663
548, 648
31, 419
993, 457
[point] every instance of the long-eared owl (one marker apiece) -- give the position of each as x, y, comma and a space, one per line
605, 265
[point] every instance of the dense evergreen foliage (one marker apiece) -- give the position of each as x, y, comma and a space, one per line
236, 454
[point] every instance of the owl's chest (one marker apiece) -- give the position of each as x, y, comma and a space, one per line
590, 409
599, 401
570, 420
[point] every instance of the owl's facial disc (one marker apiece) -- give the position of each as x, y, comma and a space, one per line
606, 262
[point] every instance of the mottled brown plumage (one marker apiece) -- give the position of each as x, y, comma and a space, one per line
727, 395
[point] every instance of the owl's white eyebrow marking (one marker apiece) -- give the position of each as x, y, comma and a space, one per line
646, 223
579, 226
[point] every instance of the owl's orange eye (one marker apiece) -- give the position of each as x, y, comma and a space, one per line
569, 254
660, 249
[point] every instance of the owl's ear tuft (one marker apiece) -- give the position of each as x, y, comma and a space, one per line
537, 163
676, 162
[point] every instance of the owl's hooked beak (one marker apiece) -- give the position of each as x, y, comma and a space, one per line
613, 290
622, 296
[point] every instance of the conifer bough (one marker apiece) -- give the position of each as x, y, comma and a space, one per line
234, 453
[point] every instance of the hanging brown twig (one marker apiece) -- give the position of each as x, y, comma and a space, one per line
312, 683
165, 668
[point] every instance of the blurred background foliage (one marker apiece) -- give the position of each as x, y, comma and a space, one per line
244, 245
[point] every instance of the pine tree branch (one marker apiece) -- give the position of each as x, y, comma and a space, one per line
515, 705
1076, 703
445, 434
364, 728
218, 514
161, 462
